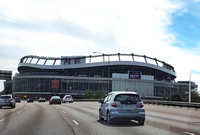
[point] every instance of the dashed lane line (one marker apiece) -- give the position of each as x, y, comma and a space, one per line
189, 133
75, 122
19, 112
2, 120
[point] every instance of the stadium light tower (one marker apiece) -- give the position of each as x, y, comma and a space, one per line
103, 54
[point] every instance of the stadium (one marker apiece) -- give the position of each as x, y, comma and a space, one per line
47, 76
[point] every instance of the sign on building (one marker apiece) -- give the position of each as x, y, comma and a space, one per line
134, 74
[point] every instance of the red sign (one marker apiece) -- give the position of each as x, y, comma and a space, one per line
55, 83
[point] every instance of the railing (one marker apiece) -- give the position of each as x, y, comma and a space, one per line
173, 103
155, 102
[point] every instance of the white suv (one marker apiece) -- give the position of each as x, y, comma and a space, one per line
7, 100
67, 98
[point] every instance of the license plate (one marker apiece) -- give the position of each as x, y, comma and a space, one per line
128, 110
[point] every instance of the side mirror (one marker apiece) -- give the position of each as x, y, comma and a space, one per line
101, 101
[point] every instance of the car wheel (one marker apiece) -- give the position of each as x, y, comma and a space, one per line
141, 121
100, 118
109, 120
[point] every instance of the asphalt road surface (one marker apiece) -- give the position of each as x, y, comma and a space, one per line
81, 118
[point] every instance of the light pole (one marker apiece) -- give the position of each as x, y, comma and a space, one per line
190, 88
103, 54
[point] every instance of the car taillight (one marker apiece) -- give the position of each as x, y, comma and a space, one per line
113, 105
11, 99
141, 106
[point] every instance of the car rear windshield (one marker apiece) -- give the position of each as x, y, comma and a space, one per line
127, 98
5, 97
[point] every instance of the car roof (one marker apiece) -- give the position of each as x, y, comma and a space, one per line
122, 92
5, 95
55, 97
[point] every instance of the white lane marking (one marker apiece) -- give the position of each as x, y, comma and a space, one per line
75, 122
19, 112
188, 133
64, 112
2, 120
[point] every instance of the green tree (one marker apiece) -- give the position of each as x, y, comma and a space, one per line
195, 97
100, 94
176, 96
2, 92
89, 95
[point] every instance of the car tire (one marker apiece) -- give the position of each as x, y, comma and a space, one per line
109, 120
141, 121
100, 118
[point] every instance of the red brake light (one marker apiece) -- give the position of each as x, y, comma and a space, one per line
113, 105
141, 106
11, 99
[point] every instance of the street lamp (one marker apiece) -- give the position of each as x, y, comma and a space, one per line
103, 54
190, 88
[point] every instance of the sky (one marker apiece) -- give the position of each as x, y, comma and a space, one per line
168, 30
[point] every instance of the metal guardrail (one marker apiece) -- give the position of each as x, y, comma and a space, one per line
87, 100
173, 103
157, 102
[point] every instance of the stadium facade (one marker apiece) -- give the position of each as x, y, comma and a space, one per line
46, 76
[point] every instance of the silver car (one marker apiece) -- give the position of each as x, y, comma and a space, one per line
122, 105
67, 98
7, 100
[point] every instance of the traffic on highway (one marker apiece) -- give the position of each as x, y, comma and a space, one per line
82, 118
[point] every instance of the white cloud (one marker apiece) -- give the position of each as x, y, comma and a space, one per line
58, 27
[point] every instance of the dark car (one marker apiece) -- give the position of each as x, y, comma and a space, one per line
17, 99
41, 99
7, 100
30, 100
55, 100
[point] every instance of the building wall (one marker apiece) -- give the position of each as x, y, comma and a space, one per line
143, 88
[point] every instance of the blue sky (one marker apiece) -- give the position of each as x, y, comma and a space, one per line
186, 27
168, 30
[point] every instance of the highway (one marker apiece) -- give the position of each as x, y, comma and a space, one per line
81, 118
